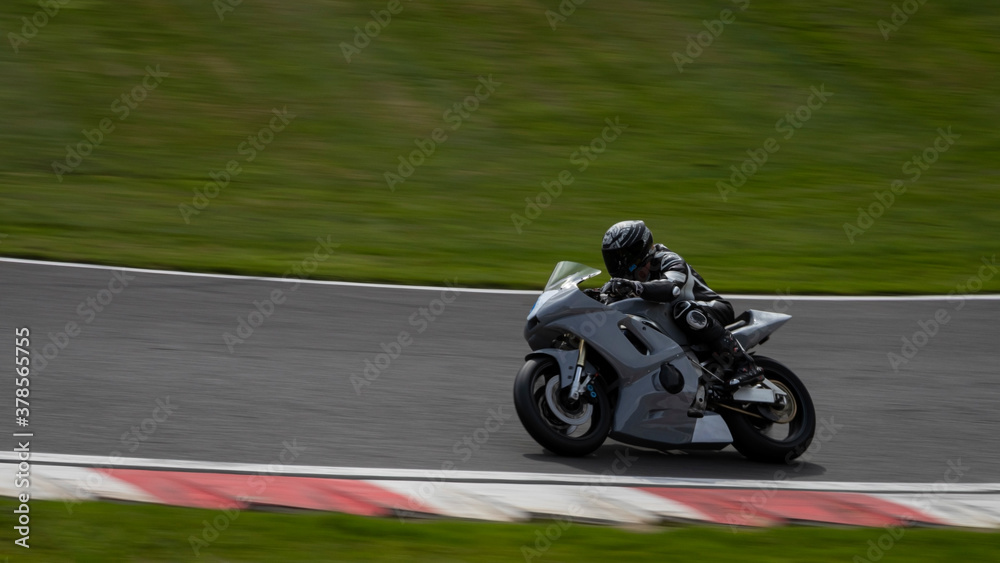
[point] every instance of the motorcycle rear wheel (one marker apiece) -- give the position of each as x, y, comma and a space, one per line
750, 433
544, 426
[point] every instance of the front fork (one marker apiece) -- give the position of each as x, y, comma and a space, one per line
578, 380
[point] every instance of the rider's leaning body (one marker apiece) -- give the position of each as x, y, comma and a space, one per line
639, 267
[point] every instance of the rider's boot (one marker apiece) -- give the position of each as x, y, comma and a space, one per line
731, 354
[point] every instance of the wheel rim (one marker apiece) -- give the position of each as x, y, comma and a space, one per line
787, 412
574, 422
788, 423
576, 415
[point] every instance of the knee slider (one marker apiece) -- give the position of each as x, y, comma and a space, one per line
696, 319
691, 314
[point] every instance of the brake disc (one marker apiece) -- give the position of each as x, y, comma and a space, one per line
573, 417
781, 414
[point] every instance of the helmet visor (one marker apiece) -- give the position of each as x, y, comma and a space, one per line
622, 263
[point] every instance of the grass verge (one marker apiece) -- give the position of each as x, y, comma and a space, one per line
323, 174
124, 532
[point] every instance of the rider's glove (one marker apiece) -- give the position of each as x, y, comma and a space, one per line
621, 287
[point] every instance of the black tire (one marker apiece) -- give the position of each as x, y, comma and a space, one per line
749, 432
541, 424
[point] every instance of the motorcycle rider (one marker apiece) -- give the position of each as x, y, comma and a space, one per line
654, 272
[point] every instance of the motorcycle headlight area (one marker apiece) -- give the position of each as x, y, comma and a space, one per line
542, 299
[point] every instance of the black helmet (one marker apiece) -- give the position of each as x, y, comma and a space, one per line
626, 246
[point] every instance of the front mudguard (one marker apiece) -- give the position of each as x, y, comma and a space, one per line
565, 359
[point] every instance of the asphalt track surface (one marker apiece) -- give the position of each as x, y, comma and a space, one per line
161, 338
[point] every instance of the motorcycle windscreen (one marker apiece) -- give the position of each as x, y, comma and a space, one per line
569, 273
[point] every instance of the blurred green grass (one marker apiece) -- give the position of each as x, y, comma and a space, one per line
116, 532
324, 174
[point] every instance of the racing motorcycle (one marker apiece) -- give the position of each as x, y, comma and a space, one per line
624, 369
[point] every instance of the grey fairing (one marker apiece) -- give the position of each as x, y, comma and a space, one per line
644, 412
658, 314
759, 325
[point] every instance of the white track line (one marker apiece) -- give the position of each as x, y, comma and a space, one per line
489, 476
746, 297
268, 279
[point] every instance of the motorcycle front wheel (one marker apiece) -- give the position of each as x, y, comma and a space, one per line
578, 428
780, 435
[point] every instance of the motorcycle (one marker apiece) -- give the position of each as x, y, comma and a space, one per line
624, 370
